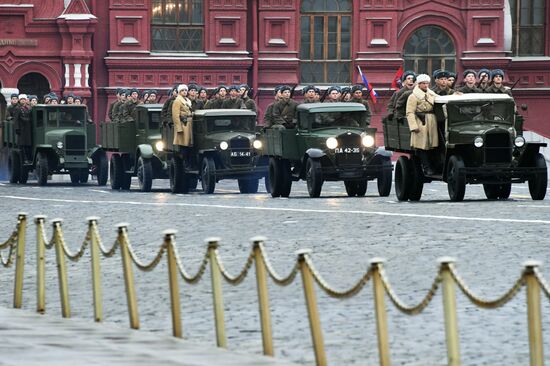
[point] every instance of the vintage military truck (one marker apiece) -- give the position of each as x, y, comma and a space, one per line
63, 142
480, 142
225, 146
331, 142
137, 149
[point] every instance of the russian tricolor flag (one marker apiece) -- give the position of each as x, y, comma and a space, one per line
371, 91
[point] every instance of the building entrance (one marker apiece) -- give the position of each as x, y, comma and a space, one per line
34, 84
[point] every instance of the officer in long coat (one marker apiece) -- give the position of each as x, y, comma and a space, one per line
23, 127
422, 121
183, 120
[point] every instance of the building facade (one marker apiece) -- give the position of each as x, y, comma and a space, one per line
92, 47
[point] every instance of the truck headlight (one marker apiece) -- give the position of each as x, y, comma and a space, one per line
159, 145
257, 144
478, 141
367, 141
59, 145
332, 143
224, 145
519, 141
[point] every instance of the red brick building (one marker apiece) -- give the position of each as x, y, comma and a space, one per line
91, 47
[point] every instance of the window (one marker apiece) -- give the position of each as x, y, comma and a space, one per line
428, 49
528, 18
325, 47
177, 25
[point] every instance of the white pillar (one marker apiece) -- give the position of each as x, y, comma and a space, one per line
67, 75
77, 76
87, 75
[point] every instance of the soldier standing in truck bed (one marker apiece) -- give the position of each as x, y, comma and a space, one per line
268, 115
249, 103
309, 94
441, 87
218, 99
357, 97
117, 107
497, 77
110, 112
166, 112
192, 95
469, 83
284, 111
129, 108
234, 101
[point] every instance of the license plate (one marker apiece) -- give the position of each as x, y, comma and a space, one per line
347, 150
238, 154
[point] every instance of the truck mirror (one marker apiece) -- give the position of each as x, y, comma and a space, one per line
524, 107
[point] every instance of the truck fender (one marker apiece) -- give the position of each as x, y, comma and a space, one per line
145, 150
95, 152
315, 153
383, 152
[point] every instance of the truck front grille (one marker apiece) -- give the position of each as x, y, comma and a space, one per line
75, 145
498, 148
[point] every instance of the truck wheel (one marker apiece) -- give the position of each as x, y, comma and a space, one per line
14, 166
314, 177
417, 181
42, 169
351, 187
23, 174
83, 175
362, 188
384, 179
504, 191
192, 182
491, 191
115, 172
126, 178
456, 179
286, 178
144, 174
249, 185
102, 169
267, 184
539, 181
403, 178
75, 176
177, 175
208, 175
274, 177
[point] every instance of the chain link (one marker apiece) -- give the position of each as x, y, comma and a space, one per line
48, 244
487, 304
184, 275
542, 282
11, 254
354, 290
400, 305
234, 280
279, 280
76, 256
106, 253
14, 235
145, 267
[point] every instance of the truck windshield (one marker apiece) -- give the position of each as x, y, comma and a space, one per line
484, 111
154, 120
230, 123
67, 117
338, 119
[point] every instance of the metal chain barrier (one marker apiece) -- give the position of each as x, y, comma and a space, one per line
279, 280
48, 244
12, 238
487, 304
11, 243
235, 280
400, 305
200, 272
76, 256
354, 290
543, 284
146, 267
106, 253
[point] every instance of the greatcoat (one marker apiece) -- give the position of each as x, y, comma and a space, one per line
183, 131
420, 104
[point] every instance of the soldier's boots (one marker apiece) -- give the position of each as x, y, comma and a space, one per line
425, 161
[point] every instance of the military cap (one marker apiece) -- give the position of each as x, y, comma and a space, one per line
78, 97
468, 72
53, 94
308, 88
153, 91
356, 88
118, 91
71, 95
333, 88
452, 74
438, 74
134, 90
47, 96
346, 89
31, 97
277, 89
123, 91
244, 86
483, 71
497, 72
284, 88
232, 87
317, 90
408, 73
423, 78
54, 97
193, 87
14, 95
220, 88
202, 88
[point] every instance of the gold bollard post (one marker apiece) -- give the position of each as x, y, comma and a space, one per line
40, 265
381, 314
313, 313
217, 292
169, 243
534, 318
128, 275
263, 296
20, 260
449, 307
96, 271
61, 269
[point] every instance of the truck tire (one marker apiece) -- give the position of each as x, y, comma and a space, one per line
274, 177
314, 177
23, 174
403, 178
351, 187
192, 182
116, 172
491, 191
384, 179
83, 175
538, 182
417, 181
145, 174
362, 188
267, 184
102, 169
126, 181
456, 180
208, 175
14, 166
249, 185
177, 175
286, 178
75, 176
42, 169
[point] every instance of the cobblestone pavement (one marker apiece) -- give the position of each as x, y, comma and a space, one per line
489, 239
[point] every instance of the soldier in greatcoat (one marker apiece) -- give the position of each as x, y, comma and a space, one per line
441, 87
497, 77
422, 121
192, 94
166, 112
23, 126
234, 101
182, 117
357, 97
284, 111
249, 103
268, 115
218, 99
129, 112
483, 77
309, 94
469, 83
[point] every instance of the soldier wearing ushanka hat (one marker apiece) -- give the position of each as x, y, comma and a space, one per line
14, 99
309, 94
268, 115
284, 111
441, 87
357, 97
234, 101
497, 86
483, 79
219, 96
333, 94
398, 101
249, 103
469, 82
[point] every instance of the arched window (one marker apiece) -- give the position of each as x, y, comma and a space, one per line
429, 48
528, 19
177, 25
325, 47
34, 83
